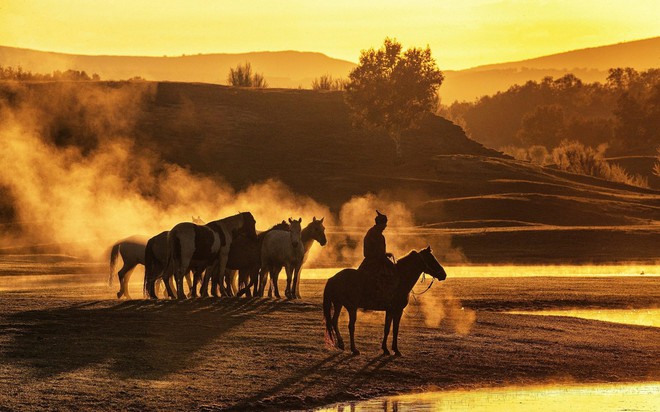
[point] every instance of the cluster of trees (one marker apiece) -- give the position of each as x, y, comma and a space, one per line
18, 73
623, 113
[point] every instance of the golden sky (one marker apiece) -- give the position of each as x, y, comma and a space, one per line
461, 33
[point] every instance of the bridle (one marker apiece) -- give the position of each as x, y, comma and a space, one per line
427, 270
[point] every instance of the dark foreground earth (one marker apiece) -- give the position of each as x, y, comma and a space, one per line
66, 344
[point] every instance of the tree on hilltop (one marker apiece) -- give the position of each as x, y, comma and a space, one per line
392, 91
242, 76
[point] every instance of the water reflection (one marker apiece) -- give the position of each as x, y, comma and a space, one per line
576, 398
643, 317
503, 271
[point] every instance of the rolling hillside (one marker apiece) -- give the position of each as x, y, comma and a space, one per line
461, 194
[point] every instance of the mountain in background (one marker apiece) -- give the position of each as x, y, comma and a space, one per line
590, 65
282, 69
293, 69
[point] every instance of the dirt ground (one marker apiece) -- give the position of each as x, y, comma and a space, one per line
66, 344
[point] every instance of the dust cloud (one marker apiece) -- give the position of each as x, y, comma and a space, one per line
83, 197
78, 182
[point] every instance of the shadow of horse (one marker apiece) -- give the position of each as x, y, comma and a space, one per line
135, 339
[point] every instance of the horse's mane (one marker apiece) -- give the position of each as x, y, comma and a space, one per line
407, 257
280, 226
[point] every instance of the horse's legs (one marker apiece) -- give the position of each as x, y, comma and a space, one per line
197, 276
395, 332
228, 279
296, 282
274, 275
352, 317
219, 274
386, 332
167, 281
123, 290
335, 325
204, 289
288, 292
263, 277
189, 282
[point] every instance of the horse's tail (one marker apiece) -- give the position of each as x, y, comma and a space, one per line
114, 252
327, 313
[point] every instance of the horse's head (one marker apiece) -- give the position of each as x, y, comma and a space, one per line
248, 226
316, 231
431, 264
295, 231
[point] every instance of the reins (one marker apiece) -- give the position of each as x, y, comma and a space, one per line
425, 290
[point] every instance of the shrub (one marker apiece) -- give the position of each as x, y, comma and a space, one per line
576, 158
242, 76
326, 82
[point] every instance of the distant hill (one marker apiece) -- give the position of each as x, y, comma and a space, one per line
293, 69
590, 65
287, 69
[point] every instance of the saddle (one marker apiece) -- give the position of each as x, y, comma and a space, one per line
381, 281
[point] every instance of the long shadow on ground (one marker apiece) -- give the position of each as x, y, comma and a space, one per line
136, 339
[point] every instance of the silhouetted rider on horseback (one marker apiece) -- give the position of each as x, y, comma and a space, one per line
378, 264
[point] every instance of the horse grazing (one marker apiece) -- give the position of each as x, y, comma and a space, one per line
131, 251
208, 245
281, 249
351, 289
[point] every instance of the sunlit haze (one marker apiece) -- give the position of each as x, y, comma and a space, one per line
461, 34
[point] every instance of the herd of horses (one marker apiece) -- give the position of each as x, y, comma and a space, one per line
214, 252
218, 251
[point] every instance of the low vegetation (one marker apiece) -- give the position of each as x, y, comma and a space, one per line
18, 73
327, 82
242, 76
574, 157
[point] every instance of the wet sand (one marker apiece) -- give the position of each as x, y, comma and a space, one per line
74, 347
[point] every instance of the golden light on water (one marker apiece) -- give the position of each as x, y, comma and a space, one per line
549, 398
503, 271
642, 317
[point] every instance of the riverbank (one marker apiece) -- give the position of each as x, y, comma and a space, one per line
74, 347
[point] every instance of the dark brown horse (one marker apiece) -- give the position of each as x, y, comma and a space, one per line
155, 256
352, 289
245, 257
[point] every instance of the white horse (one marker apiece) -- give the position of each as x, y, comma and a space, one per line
279, 249
209, 244
313, 231
131, 251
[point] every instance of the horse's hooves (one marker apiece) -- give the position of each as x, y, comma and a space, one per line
355, 351
340, 345
386, 352
119, 295
397, 353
